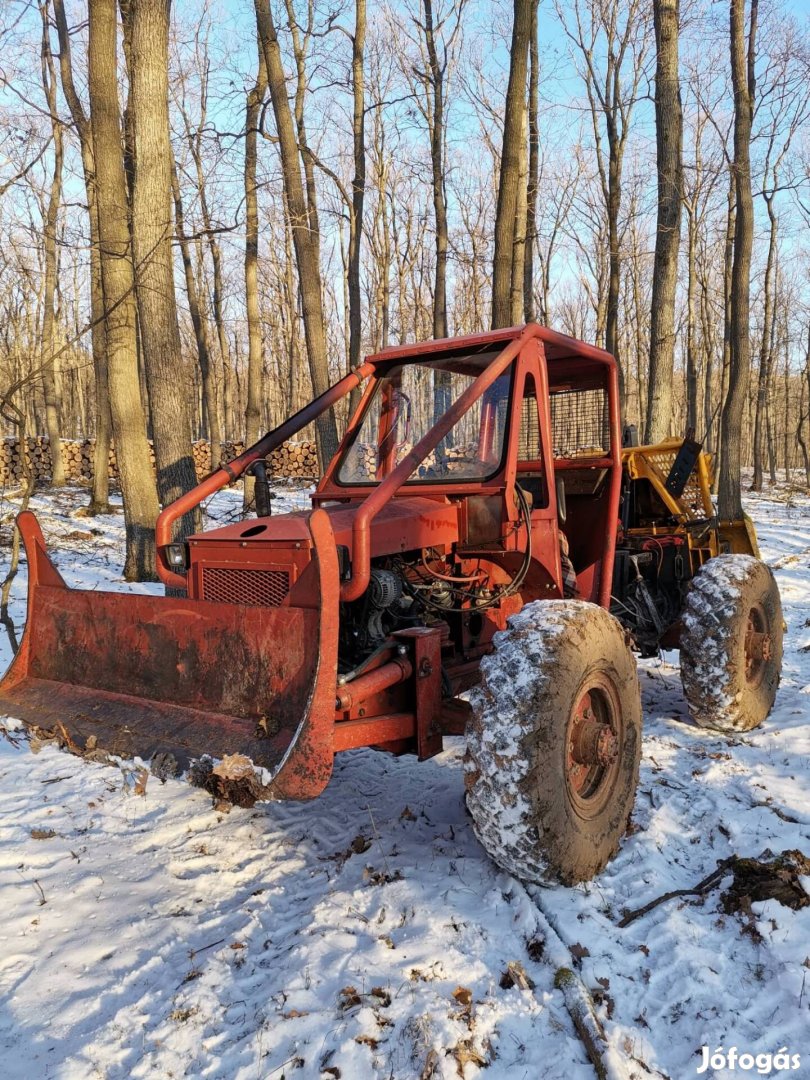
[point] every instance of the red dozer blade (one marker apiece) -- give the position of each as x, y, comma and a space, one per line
133, 675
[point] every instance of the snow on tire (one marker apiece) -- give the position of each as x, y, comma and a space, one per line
731, 643
554, 742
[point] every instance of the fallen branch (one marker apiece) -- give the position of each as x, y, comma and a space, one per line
776, 810
703, 886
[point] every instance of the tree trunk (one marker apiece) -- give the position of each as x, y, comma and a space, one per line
435, 113
804, 414
691, 328
669, 139
800, 437
742, 73
306, 244
707, 331
209, 394
511, 156
765, 349
100, 483
152, 232
255, 379
529, 312
436, 89
728, 263
131, 448
47, 343
517, 297
214, 411
614, 202
358, 184
786, 430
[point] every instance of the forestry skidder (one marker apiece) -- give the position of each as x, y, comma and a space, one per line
481, 527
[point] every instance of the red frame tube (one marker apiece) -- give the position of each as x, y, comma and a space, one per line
609, 550
373, 682
385, 491
230, 473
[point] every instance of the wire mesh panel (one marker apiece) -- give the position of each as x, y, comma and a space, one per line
529, 440
692, 496
580, 423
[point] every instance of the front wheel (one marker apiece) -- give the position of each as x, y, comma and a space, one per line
731, 643
554, 742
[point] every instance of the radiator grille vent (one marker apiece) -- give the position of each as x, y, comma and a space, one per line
257, 588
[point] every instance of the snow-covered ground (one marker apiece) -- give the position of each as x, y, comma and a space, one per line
366, 934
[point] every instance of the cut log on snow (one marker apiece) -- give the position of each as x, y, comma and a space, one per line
608, 1062
580, 1006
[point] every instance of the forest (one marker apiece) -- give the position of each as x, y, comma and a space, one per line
489, 755
210, 211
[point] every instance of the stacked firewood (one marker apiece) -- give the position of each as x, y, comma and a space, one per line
296, 460
291, 460
77, 457
363, 461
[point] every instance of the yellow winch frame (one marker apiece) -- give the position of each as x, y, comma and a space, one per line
693, 511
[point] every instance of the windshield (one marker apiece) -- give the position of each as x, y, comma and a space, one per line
408, 401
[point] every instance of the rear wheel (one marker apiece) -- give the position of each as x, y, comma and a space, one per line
554, 742
731, 643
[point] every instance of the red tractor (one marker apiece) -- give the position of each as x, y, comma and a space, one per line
464, 538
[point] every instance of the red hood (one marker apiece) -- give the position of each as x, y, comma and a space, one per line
401, 525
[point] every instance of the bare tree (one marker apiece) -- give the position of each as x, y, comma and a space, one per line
439, 39
47, 343
118, 285
152, 231
512, 157
199, 325
253, 411
669, 140
533, 171
743, 55
305, 238
358, 183
214, 411
618, 34
783, 103
99, 499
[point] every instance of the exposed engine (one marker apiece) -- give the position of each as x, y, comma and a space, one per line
396, 598
423, 588
650, 577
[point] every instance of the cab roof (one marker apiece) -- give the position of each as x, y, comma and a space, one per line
558, 347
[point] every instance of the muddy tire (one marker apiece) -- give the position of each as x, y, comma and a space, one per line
731, 643
554, 742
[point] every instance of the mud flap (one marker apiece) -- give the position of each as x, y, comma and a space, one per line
739, 537
135, 675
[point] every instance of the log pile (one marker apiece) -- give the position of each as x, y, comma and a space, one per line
362, 464
293, 460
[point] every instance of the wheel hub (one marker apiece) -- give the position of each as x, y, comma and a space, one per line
758, 647
594, 743
594, 746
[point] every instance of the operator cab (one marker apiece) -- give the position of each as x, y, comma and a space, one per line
541, 434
